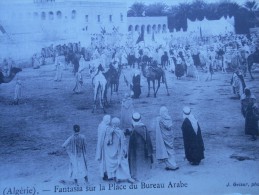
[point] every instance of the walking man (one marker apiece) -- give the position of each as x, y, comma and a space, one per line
75, 146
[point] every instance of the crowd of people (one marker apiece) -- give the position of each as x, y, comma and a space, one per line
130, 159
133, 161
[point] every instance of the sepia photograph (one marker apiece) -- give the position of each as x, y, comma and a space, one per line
129, 97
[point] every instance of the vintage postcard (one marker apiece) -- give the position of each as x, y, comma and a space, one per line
129, 97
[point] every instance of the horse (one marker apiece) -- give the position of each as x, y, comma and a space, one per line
73, 58
251, 59
9, 78
99, 82
199, 60
112, 77
154, 74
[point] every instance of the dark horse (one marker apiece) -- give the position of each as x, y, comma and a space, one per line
73, 58
154, 74
112, 77
251, 59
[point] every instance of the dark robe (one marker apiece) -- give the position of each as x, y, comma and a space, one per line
136, 86
193, 143
140, 152
179, 70
164, 60
196, 60
131, 60
251, 116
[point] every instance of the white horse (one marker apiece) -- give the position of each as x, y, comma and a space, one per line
99, 83
98, 80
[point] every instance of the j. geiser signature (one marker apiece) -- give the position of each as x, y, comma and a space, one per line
242, 184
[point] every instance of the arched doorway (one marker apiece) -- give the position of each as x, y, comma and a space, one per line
73, 14
164, 28
51, 15
154, 28
137, 28
148, 29
59, 14
130, 28
43, 15
143, 28
159, 28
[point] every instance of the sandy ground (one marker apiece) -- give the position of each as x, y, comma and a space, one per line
32, 134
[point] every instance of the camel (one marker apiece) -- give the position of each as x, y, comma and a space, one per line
8, 79
154, 74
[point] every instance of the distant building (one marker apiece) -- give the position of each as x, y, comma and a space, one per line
52, 20
211, 27
148, 24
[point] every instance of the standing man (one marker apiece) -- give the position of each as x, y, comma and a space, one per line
17, 91
165, 140
103, 128
127, 108
75, 146
238, 83
116, 157
209, 68
250, 113
140, 149
59, 68
79, 83
193, 142
136, 88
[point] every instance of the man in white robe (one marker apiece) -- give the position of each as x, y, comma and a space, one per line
165, 140
103, 127
75, 146
115, 152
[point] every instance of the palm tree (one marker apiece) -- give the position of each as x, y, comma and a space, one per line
252, 7
156, 9
137, 9
199, 9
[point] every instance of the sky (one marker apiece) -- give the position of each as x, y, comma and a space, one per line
175, 2
130, 2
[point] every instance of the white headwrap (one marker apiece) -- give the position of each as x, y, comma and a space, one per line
106, 119
165, 117
115, 122
187, 114
136, 119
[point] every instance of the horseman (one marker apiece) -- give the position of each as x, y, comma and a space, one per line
164, 60
113, 68
100, 69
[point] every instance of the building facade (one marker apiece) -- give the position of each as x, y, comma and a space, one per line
52, 20
212, 27
147, 24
